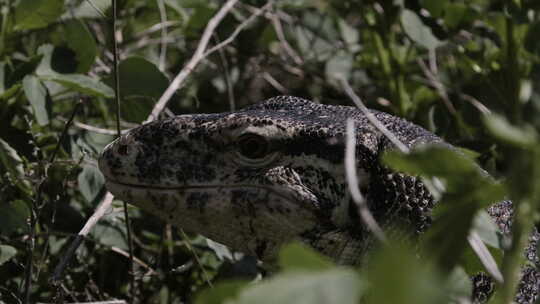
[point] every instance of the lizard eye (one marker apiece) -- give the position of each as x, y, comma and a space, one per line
253, 146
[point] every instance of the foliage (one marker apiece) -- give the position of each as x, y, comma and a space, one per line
466, 70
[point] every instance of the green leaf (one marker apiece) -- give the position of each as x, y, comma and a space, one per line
89, 9
446, 240
457, 13
141, 84
459, 284
111, 230
140, 77
91, 182
221, 292
467, 189
417, 31
13, 217
335, 285
36, 93
339, 66
6, 253
80, 40
297, 256
10, 92
398, 276
486, 228
435, 8
34, 14
501, 129
11, 160
462, 177
81, 83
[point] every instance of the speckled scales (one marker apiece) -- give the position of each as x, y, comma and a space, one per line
189, 170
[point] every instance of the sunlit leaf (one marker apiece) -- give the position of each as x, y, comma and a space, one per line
499, 127
331, 286
36, 94
82, 83
80, 40
296, 256
33, 14
418, 31
220, 293
6, 253
13, 217
398, 276
91, 182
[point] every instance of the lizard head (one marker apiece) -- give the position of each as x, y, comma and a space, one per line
251, 179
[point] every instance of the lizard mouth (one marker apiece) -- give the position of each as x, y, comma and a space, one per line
117, 187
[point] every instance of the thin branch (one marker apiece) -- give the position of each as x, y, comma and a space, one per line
228, 81
117, 97
439, 87
37, 206
91, 128
485, 256
273, 82
100, 12
156, 27
372, 119
239, 28
90, 223
163, 46
137, 260
352, 182
276, 22
190, 248
190, 66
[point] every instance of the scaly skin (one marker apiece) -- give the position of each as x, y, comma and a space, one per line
271, 173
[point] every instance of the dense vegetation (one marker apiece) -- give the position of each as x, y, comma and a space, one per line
468, 71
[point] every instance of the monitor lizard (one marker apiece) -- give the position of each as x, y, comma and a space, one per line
273, 172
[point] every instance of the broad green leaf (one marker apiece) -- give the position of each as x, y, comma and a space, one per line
81, 83
462, 176
13, 216
11, 160
45, 67
91, 182
349, 34
111, 230
417, 31
34, 14
221, 251
141, 85
10, 92
335, 285
398, 276
487, 229
499, 127
459, 284
457, 13
89, 9
296, 256
80, 40
467, 190
339, 66
36, 94
6, 253
220, 293
446, 240
140, 77
435, 8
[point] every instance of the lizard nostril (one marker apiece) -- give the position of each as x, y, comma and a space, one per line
123, 149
